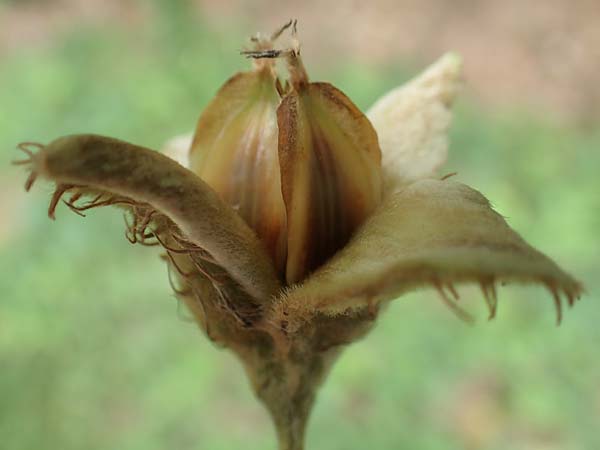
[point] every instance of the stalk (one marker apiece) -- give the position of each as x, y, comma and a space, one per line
287, 385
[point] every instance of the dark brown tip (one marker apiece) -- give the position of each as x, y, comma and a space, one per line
281, 29
260, 54
25, 147
30, 180
445, 177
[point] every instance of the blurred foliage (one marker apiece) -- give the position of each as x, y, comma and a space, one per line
95, 353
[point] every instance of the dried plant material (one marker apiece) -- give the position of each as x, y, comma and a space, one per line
330, 171
432, 233
235, 151
178, 149
117, 168
280, 242
412, 123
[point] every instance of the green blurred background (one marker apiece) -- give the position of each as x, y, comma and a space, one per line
96, 353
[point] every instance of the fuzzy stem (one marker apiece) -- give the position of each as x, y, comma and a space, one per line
287, 386
290, 420
289, 396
